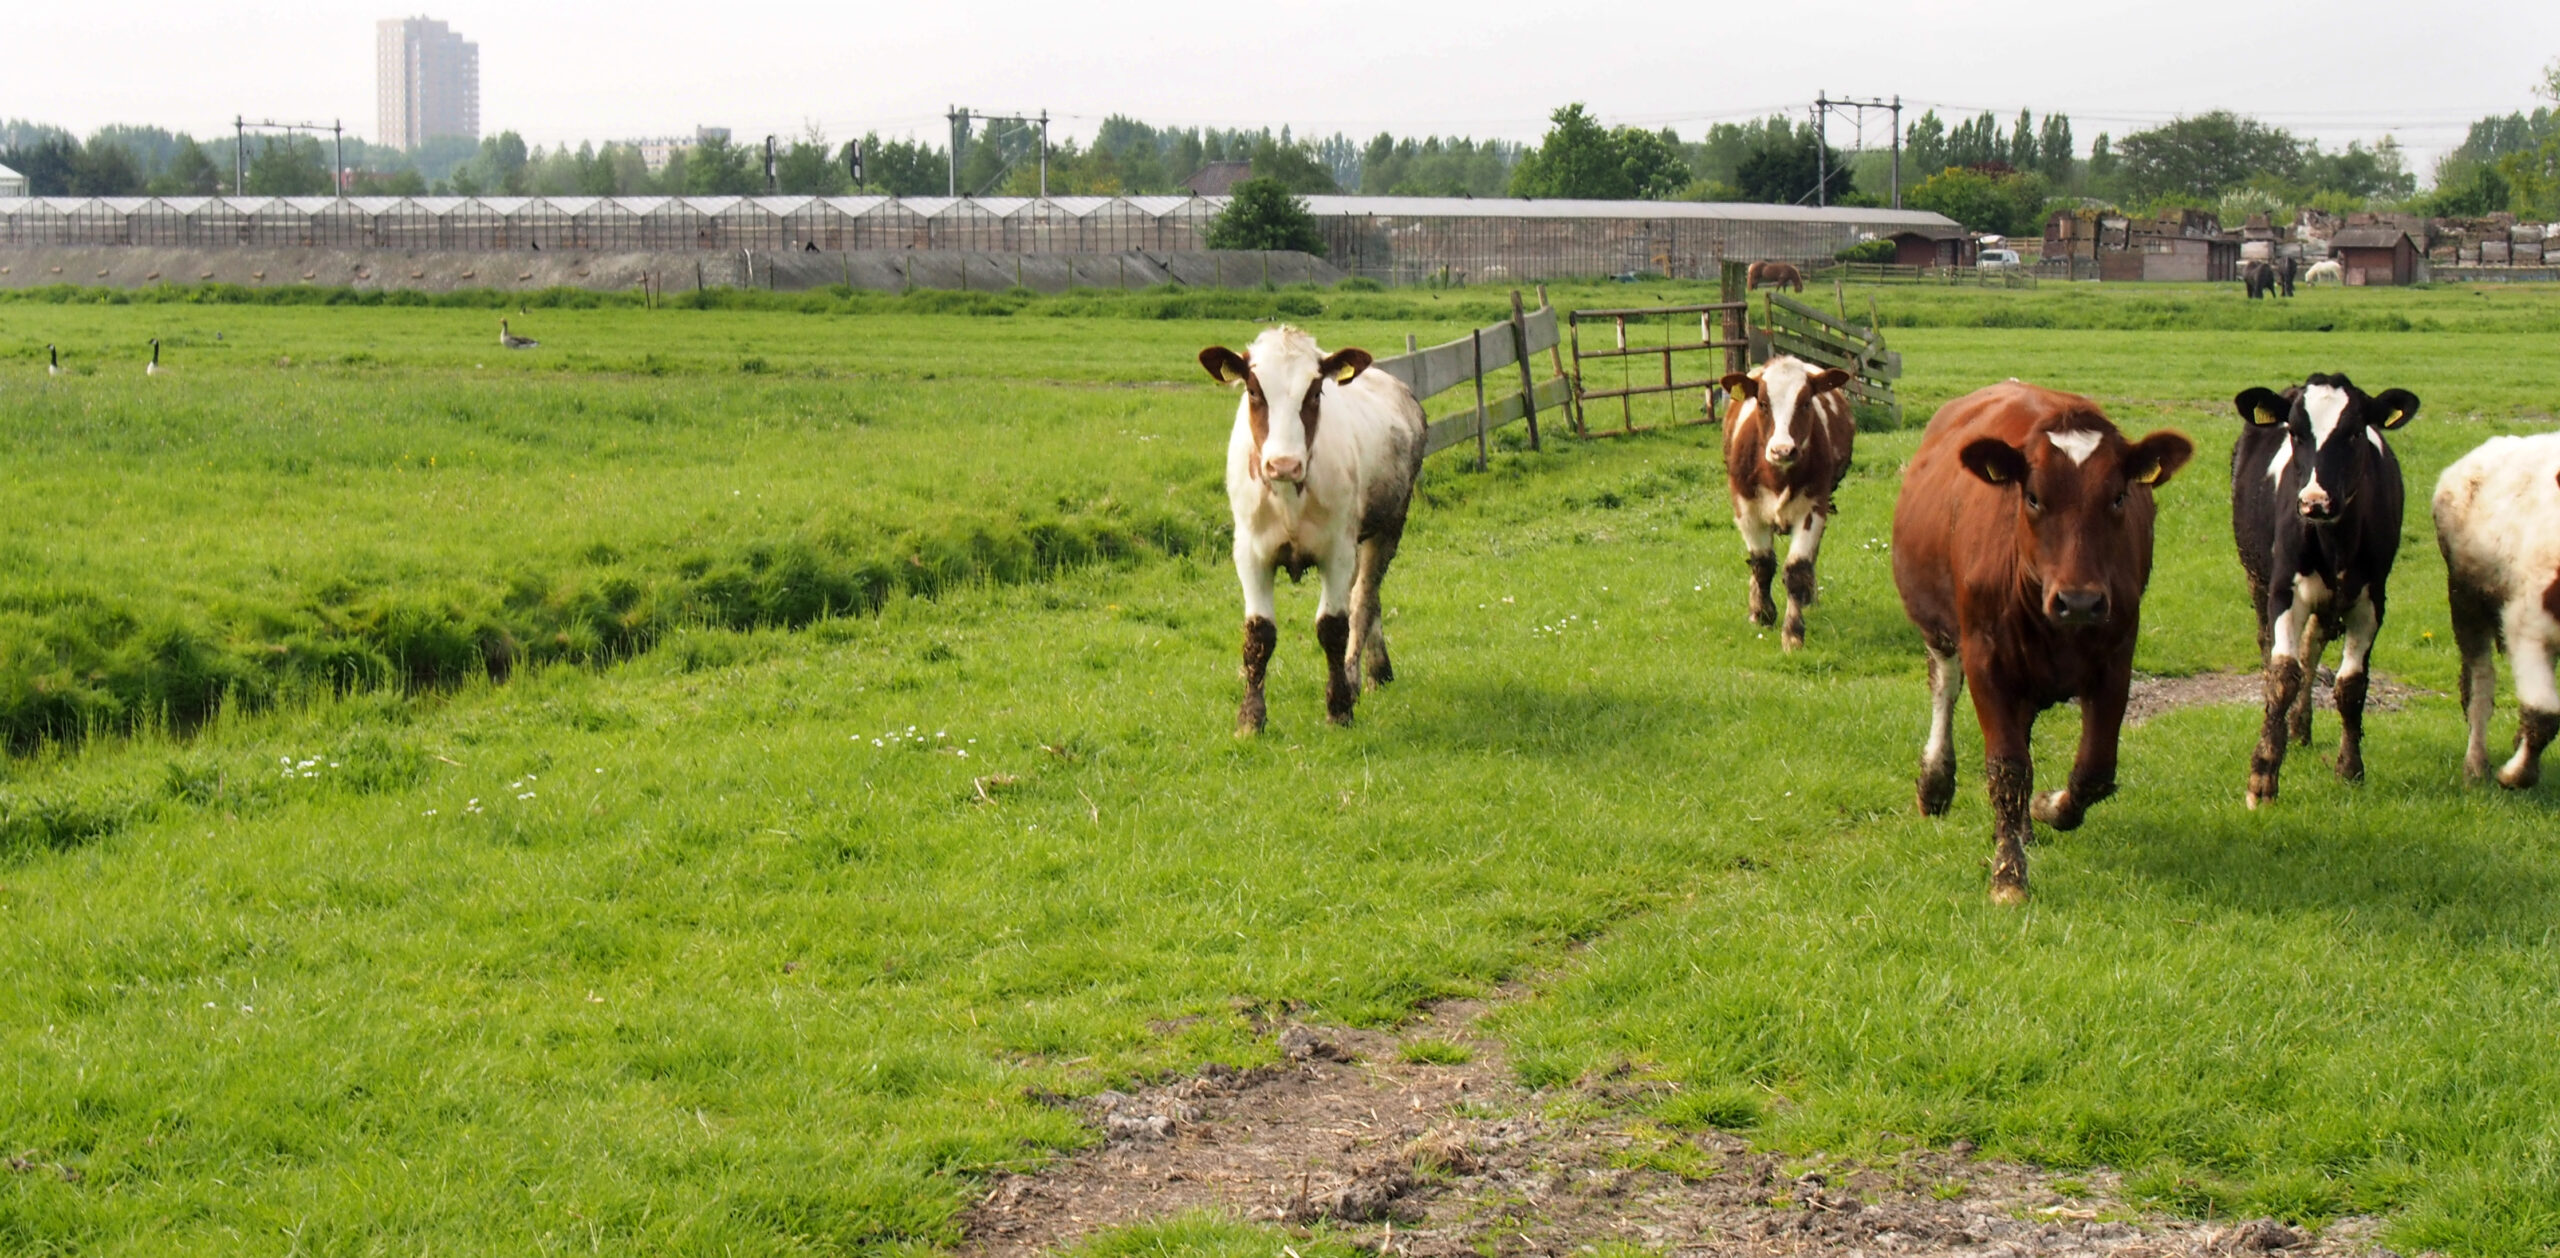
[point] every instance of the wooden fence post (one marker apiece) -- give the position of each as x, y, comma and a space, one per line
1520, 350
1477, 336
1735, 289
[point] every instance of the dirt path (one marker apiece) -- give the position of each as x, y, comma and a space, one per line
1448, 1159
2155, 696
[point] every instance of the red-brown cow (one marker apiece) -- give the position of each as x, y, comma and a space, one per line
2021, 545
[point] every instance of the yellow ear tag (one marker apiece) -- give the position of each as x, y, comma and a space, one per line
1343, 373
2268, 418
2150, 475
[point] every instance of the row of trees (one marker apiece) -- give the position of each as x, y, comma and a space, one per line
2510, 163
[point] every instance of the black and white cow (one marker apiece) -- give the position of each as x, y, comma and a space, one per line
2498, 521
2316, 501
1321, 466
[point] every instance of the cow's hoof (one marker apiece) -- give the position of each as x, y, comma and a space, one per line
2009, 893
1791, 642
1341, 718
2054, 809
2351, 768
1936, 794
2520, 779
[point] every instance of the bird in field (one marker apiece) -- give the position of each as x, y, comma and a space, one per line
513, 341
153, 368
53, 360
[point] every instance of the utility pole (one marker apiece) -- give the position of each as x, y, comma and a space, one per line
1040, 120
1822, 107
1044, 154
952, 116
239, 150
772, 177
1821, 150
1897, 150
338, 177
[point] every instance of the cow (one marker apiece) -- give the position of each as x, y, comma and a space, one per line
1320, 473
2288, 269
2259, 277
1774, 274
1787, 435
2497, 515
2328, 270
2021, 546
2315, 511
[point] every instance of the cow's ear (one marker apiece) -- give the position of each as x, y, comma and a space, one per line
1826, 382
2261, 406
1342, 366
1738, 384
1225, 365
1995, 461
2158, 457
2396, 406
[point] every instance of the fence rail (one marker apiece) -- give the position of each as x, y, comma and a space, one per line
1792, 327
1958, 276
1471, 359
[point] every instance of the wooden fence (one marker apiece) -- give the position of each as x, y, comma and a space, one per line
1474, 359
1894, 273
1792, 327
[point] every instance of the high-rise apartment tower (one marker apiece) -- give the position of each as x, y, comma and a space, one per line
430, 77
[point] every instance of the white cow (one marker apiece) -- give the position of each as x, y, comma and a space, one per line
2498, 522
1320, 473
2328, 270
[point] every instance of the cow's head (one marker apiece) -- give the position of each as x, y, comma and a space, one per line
1284, 375
1784, 388
2333, 433
2083, 499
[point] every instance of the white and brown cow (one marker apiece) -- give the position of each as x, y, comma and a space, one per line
2498, 522
1320, 473
1787, 437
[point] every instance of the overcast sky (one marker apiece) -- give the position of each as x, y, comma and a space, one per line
2333, 71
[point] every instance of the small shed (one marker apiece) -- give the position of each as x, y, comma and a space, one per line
2375, 255
1933, 246
12, 184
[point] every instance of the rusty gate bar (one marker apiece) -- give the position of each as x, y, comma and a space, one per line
1733, 343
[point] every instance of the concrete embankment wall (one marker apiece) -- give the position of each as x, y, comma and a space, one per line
141, 266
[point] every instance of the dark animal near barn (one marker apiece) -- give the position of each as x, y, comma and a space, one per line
1321, 465
2259, 277
1774, 274
2021, 546
2497, 513
2288, 269
1786, 449
2316, 500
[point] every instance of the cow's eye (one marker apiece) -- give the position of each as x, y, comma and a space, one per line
2120, 494
2033, 503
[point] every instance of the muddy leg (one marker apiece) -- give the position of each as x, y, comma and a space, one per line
2475, 629
1759, 549
2284, 682
1368, 635
2539, 702
1938, 756
2011, 782
2364, 623
2093, 773
1333, 632
2298, 721
1802, 551
1260, 636
1255, 572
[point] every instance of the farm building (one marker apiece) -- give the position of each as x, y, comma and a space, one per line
12, 184
1396, 239
2375, 255
1933, 246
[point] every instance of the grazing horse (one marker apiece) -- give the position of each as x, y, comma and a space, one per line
2497, 515
1774, 274
2288, 270
2021, 546
2260, 277
2315, 510
1787, 434
2328, 270
1320, 473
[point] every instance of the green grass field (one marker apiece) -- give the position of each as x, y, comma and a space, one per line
676, 790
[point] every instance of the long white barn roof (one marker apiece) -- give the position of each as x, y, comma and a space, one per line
1067, 207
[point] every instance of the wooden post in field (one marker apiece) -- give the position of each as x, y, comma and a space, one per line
1477, 337
1735, 288
1574, 330
1520, 350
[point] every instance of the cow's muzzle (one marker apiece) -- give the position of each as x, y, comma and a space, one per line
2078, 607
1780, 455
1284, 469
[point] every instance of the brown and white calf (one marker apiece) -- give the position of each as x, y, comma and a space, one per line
1787, 438
2021, 546
2498, 522
1320, 473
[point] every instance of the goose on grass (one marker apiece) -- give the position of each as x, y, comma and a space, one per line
53, 360
513, 341
153, 368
